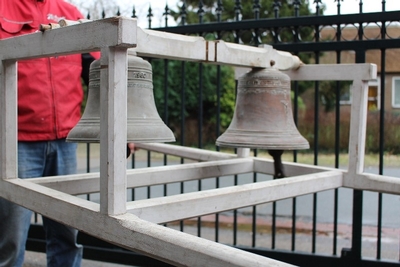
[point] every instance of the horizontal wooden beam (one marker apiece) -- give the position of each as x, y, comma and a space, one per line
120, 31
220, 52
372, 182
166, 45
188, 172
334, 72
327, 72
194, 48
128, 231
186, 152
189, 205
89, 183
266, 166
116, 31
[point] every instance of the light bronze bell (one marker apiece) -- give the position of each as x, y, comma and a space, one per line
143, 121
263, 116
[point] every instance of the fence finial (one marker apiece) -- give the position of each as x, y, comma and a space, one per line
338, 6
238, 9
200, 12
296, 4
256, 8
134, 12
276, 5
149, 15
317, 8
183, 13
219, 10
166, 14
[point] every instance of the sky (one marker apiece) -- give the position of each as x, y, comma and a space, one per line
352, 6
158, 6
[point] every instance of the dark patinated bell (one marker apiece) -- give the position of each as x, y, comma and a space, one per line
263, 115
143, 121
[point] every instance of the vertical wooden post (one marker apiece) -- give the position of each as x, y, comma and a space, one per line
8, 119
113, 120
358, 126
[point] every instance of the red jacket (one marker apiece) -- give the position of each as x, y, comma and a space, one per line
49, 89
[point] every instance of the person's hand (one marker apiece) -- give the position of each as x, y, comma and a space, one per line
130, 149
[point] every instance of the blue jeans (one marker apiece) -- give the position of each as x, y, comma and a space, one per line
38, 159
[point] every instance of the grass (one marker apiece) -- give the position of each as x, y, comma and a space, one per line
328, 159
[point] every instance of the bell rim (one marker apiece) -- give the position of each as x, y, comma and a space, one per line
263, 146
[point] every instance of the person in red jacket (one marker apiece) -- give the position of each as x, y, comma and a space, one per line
49, 103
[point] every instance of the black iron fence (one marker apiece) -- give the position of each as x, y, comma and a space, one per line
337, 228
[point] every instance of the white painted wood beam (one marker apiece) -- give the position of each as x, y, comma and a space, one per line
194, 48
8, 119
120, 31
76, 184
182, 249
89, 183
113, 127
334, 72
46, 201
188, 172
327, 72
358, 127
186, 152
221, 52
373, 182
266, 166
128, 231
189, 205
117, 31
159, 44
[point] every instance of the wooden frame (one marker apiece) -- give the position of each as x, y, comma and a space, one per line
133, 225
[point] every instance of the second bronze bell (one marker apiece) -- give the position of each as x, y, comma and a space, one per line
263, 115
143, 121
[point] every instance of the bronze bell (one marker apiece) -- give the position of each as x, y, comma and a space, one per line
143, 121
263, 115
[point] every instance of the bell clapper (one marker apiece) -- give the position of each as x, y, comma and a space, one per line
277, 156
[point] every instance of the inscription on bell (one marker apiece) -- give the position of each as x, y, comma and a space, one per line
140, 85
272, 91
264, 83
139, 75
